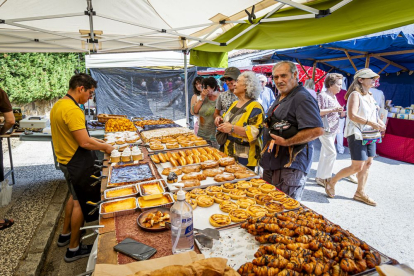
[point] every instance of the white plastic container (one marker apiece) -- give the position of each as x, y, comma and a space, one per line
181, 216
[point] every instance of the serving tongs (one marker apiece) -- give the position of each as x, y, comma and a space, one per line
97, 204
99, 179
205, 237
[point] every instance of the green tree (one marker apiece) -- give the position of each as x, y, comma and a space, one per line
27, 77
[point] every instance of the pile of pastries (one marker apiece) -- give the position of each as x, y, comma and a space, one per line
121, 138
160, 121
128, 155
121, 124
171, 132
304, 243
188, 157
175, 143
156, 219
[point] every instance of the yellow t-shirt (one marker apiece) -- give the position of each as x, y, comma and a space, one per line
65, 117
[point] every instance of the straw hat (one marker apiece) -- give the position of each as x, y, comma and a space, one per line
366, 73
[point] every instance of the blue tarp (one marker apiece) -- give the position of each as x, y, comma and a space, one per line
399, 88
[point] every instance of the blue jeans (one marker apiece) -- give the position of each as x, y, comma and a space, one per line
290, 181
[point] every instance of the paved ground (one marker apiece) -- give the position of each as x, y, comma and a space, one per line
40, 192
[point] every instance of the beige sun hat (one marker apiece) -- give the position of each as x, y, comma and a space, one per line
366, 73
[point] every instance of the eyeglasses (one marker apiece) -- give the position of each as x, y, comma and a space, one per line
227, 79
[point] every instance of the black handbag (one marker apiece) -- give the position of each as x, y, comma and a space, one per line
221, 137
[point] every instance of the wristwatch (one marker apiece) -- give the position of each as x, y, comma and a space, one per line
232, 129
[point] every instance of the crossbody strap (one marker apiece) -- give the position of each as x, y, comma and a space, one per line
240, 110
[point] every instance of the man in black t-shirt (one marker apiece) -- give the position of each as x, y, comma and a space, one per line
295, 105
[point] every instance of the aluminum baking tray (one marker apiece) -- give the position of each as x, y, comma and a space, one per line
120, 188
118, 213
153, 181
168, 205
131, 181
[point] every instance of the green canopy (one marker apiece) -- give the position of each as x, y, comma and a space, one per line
357, 18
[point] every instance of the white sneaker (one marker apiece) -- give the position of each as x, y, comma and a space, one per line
352, 178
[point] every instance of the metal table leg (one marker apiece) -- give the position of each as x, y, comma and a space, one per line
11, 171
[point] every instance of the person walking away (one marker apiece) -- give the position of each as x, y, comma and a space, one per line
197, 88
287, 163
74, 149
205, 108
362, 130
266, 97
330, 111
244, 122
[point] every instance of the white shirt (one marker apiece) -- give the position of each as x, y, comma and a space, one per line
378, 96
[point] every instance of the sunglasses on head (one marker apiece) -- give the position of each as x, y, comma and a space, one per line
227, 79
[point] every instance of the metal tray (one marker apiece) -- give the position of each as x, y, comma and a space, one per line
110, 184
146, 182
119, 188
168, 205
119, 213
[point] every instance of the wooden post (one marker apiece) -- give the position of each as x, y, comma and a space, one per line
367, 61
303, 68
392, 63
314, 70
350, 60
324, 75
386, 65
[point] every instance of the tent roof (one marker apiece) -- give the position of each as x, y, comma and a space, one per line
388, 53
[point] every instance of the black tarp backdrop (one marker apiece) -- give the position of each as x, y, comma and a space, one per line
139, 92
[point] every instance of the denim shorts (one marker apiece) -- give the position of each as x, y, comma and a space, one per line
290, 181
358, 151
68, 180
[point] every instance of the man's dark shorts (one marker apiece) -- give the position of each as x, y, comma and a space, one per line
290, 181
68, 180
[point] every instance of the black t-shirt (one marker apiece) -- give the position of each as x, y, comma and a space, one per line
5, 105
300, 109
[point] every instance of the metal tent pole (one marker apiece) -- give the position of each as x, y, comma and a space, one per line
187, 115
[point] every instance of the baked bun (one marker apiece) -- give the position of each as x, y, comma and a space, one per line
204, 201
227, 187
194, 175
174, 162
172, 145
263, 198
220, 197
191, 183
243, 185
235, 168
167, 171
267, 188
219, 220
185, 144
236, 194
224, 177
257, 211
251, 192
192, 168
245, 202
238, 215
256, 182
210, 164
212, 190
155, 159
245, 174
156, 146
291, 203
278, 195
162, 157
192, 202
227, 205
226, 161
212, 172
196, 192
273, 207
200, 142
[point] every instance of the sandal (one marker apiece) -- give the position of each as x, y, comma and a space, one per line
365, 199
6, 224
329, 190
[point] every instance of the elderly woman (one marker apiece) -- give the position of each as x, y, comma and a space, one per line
243, 122
362, 129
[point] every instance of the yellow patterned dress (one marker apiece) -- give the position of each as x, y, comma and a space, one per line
245, 149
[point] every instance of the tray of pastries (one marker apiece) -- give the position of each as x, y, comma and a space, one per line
124, 191
179, 142
172, 132
119, 124
151, 188
303, 242
118, 207
233, 202
206, 174
156, 200
120, 175
142, 121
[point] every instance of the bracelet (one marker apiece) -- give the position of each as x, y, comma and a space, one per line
232, 129
366, 122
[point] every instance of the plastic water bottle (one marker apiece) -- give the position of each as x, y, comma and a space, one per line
181, 215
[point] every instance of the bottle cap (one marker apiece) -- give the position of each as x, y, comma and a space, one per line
180, 193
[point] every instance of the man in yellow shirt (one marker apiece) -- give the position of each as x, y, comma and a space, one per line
74, 149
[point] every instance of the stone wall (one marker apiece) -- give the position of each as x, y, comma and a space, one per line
37, 108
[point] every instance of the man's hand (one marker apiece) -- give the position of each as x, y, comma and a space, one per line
278, 140
225, 127
338, 109
218, 120
109, 149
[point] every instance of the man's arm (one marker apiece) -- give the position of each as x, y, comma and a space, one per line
82, 138
216, 113
302, 137
9, 122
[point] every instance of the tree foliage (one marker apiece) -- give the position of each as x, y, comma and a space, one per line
27, 77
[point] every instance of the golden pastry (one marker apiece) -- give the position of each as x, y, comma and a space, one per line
185, 144
154, 158
235, 168
224, 177
195, 152
212, 172
227, 205
251, 192
189, 159
239, 215
191, 183
246, 174
162, 157
187, 196
291, 203
194, 175
220, 197
256, 182
267, 188
200, 142
243, 185
182, 161
196, 159
273, 207
277, 195
245, 202
192, 168
196, 192
182, 153
204, 201
263, 198
192, 202
174, 162
209, 164
202, 151
226, 161
257, 211
227, 187
156, 147
173, 145
219, 220
212, 190
236, 194
177, 171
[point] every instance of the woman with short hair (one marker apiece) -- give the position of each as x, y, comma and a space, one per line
362, 129
244, 127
